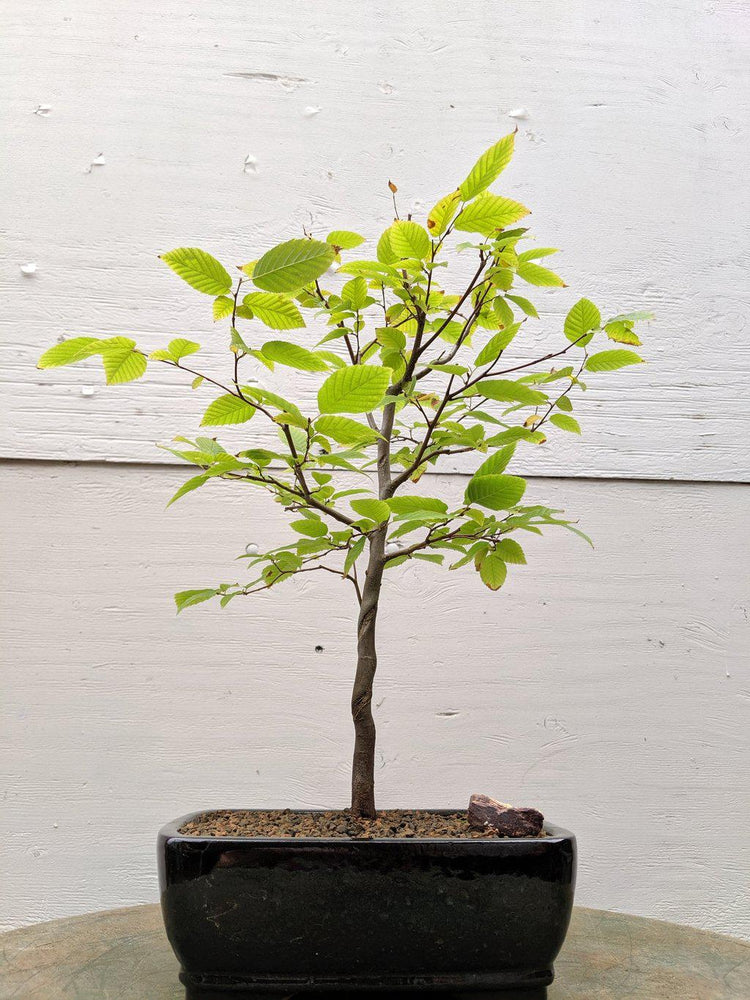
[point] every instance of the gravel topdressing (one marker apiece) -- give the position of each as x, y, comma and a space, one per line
402, 823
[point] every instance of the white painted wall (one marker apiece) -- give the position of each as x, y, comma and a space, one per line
606, 687
609, 688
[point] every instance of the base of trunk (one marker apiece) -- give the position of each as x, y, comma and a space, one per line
276, 916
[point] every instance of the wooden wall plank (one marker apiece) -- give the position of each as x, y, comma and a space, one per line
608, 688
630, 156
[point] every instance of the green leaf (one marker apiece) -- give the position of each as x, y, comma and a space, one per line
293, 355
506, 391
292, 265
223, 306
67, 353
312, 527
410, 504
189, 486
534, 274
496, 344
622, 333
610, 361
496, 492
633, 317
409, 240
524, 305
122, 363
188, 598
584, 316
376, 510
496, 463
439, 218
488, 167
354, 293
511, 552
343, 430
537, 252
493, 571
276, 311
565, 422
354, 389
199, 269
385, 252
488, 213
179, 348
227, 409
355, 551
344, 239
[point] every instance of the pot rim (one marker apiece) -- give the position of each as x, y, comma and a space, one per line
171, 831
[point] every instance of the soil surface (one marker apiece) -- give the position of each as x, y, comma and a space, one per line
340, 823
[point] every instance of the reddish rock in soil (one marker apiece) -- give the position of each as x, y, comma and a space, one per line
506, 821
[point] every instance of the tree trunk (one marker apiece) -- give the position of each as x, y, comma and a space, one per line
363, 764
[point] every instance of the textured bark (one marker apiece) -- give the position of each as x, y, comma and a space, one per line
363, 763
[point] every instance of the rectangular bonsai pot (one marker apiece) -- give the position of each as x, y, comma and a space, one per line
255, 917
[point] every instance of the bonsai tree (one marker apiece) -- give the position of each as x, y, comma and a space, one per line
410, 370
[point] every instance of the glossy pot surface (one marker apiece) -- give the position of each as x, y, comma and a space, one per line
253, 916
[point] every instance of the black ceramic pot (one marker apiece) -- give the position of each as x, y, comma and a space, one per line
253, 917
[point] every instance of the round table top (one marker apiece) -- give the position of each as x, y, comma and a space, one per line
124, 955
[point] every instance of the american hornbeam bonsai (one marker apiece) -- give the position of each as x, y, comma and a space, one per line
410, 371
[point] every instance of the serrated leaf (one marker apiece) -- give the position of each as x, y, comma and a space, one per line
622, 333
227, 409
534, 274
488, 213
343, 430
178, 348
440, 217
67, 353
294, 356
354, 389
354, 293
199, 269
583, 317
275, 310
385, 252
524, 305
537, 252
355, 551
493, 571
189, 486
223, 306
565, 422
189, 598
610, 361
493, 347
496, 492
488, 167
409, 240
344, 239
496, 463
123, 364
376, 510
511, 552
312, 527
292, 265
507, 391
410, 504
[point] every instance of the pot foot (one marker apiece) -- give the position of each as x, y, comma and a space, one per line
212, 993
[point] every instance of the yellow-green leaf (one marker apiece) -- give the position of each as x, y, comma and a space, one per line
354, 389
488, 213
277, 311
535, 274
293, 355
496, 492
488, 167
227, 409
67, 353
199, 269
344, 239
409, 240
440, 217
565, 422
292, 265
583, 316
493, 571
610, 361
